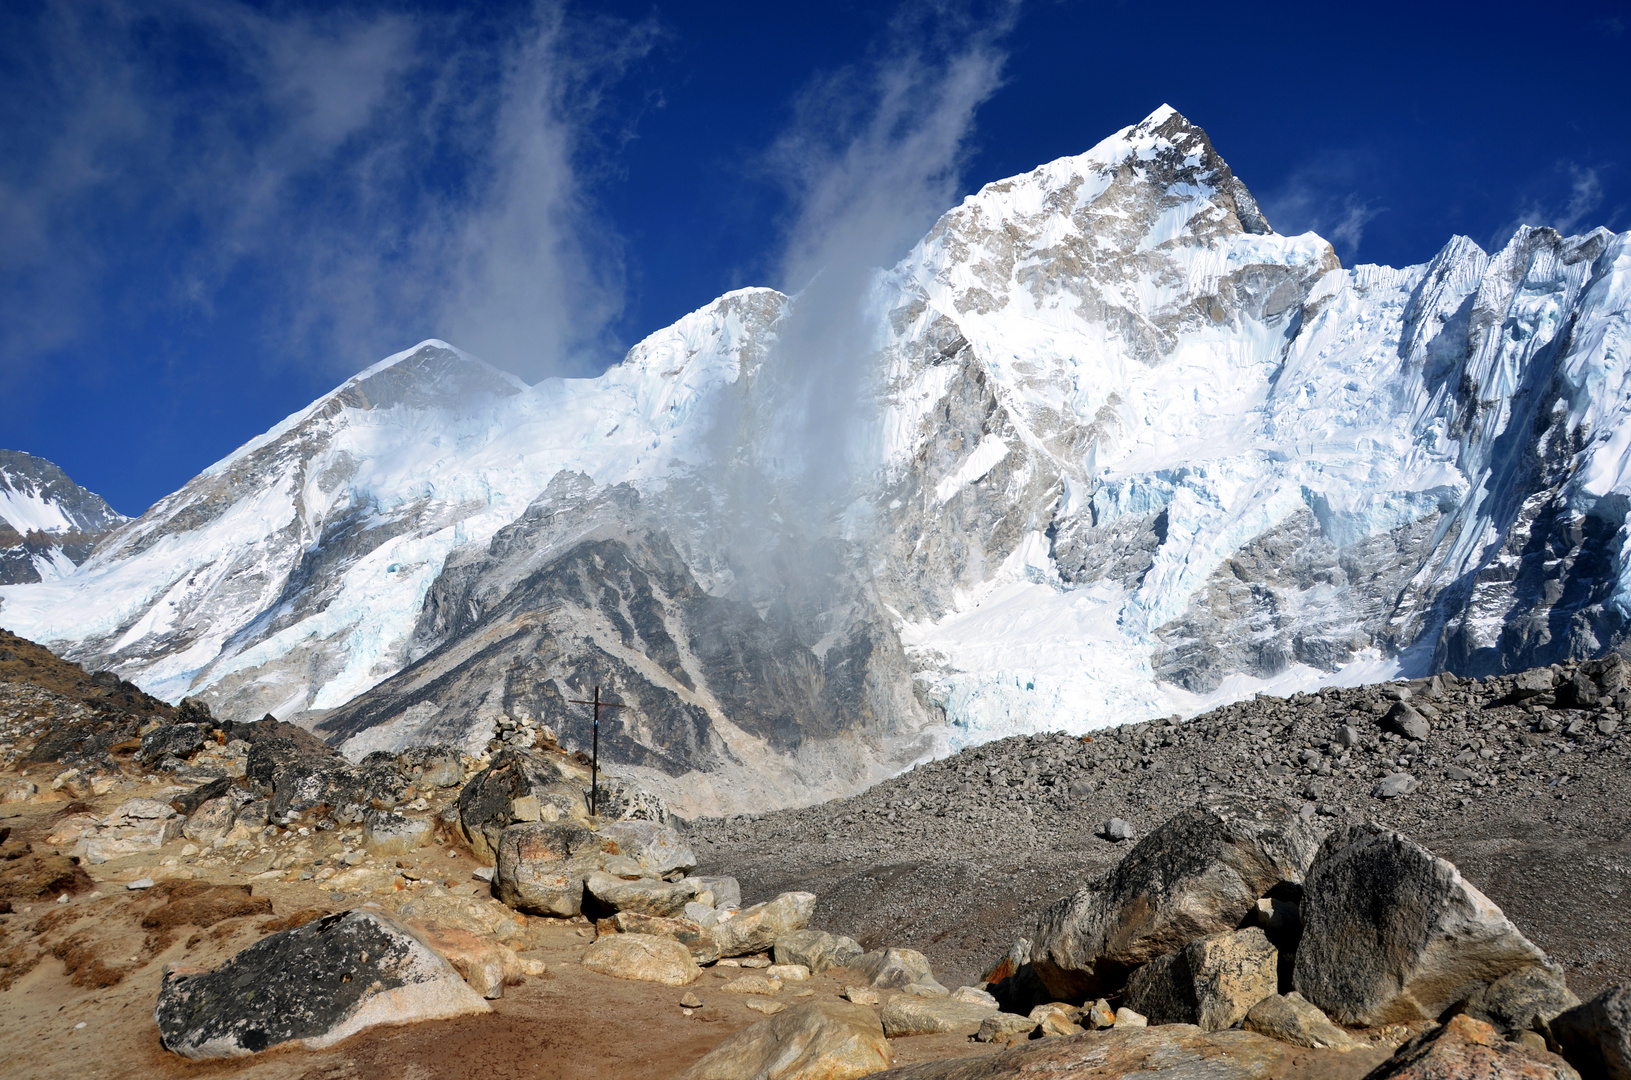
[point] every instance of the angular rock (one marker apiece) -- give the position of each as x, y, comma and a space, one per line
385, 832
1514, 1001
1212, 982
753, 984
1199, 873
657, 850
893, 969
211, 821
172, 740
485, 965
1596, 1036
649, 896
696, 938
756, 929
188, 802
1127, 1018
1292, 1019
1005, 1027
1395, 785
788, 972
1465, 1047
1098, 1015
974, 996
1406, 721
644, 957
541, 868
818, 1040
1171, 1052
816, 950
1391, 933
727, 891
313, 985
136, 827
907, 1015
487, 802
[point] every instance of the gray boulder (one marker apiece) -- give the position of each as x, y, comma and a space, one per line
1515, 1001
313, 986
1199, 873
727, 891
1391, 933
385, 832
541, 868
211, 821
756, 929
894, 969
1294, 1020
816, 950
909, 1015
1406, 721
651, 849
1212, 982
647, 896
1596, 1036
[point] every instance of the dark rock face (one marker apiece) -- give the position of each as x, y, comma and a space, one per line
1596, 1036
1393, 933
314, 985
1198, 874
172, 740
487, 802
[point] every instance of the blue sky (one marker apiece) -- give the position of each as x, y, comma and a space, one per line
211, 213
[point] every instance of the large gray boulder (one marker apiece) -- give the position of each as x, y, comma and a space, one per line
313, 986
643, 957
646, 849
386, 832
819, 1040
136, 827
1596, 1036
1199, 873
541, 868
816, 950
894, 969
648, 896
756, 929
909, 1015
1212, 982
1292, 1019
1392, 933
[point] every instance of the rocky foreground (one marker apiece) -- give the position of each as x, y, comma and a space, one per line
1262, 892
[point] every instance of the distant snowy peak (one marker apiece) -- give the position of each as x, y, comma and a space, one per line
48, 523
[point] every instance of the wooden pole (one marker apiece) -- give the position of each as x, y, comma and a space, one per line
594, 756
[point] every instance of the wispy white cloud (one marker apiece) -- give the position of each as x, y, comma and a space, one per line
1567, 214
374, 176
872, 157
1320, 197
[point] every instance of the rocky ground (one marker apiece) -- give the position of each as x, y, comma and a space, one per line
1526, 788
134, 836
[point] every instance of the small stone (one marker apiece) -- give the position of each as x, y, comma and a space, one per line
1127, 1018
63, 899
788, 972
482, 873
1347, 736
973, 995
1607, 726
1005, 1028
1098, 1015
691, 1001
1116, 830
139, 883
862, 995
753, 984
755, 961
1395, 785
766, 1006
1406, 721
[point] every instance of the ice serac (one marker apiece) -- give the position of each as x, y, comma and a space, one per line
1124, 451
48, 523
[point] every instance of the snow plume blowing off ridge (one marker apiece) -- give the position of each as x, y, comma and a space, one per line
872, 158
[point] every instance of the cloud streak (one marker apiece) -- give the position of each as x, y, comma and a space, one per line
363, 179
1320, 198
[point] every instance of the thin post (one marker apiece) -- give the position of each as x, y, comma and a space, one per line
594, 756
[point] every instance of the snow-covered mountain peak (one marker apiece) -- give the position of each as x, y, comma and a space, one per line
48, 523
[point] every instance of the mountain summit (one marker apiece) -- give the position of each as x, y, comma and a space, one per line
48, 523
1120, 450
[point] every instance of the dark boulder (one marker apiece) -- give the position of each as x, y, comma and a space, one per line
313, 985
487, 802
172, 740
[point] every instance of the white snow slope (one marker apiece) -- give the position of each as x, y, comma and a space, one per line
1134, 453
